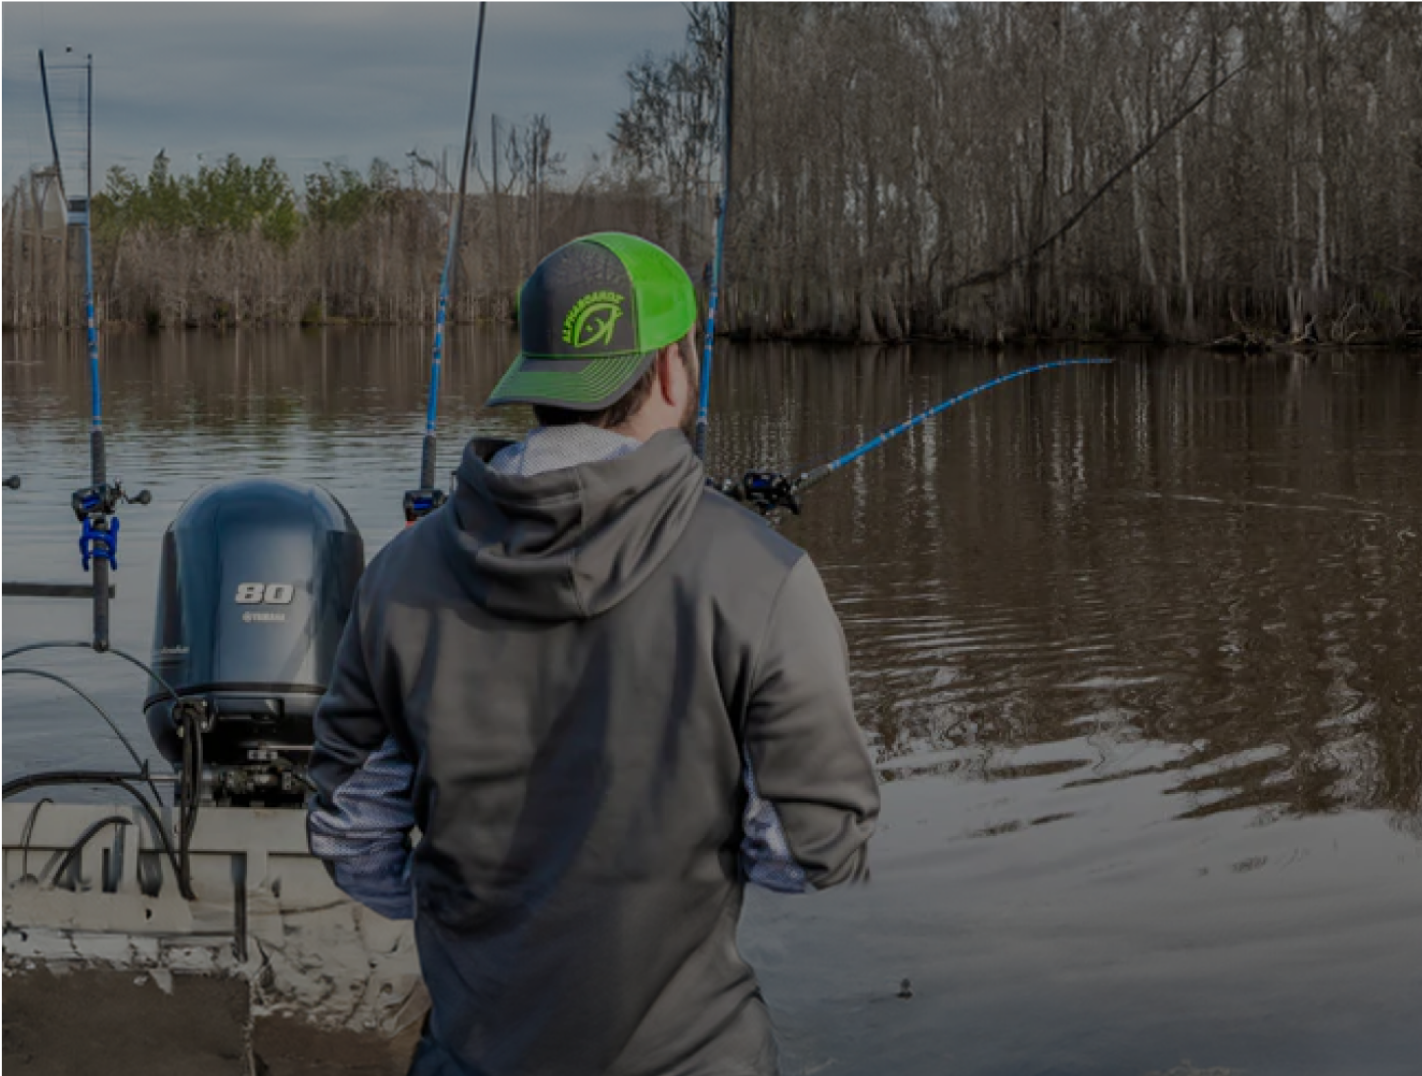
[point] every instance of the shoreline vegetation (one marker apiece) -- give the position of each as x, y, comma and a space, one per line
1244, 177
1242, 342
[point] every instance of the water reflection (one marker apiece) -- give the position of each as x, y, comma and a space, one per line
1135, 647
1218, 557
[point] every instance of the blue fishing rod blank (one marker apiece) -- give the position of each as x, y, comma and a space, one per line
770, 491
424, 500
824, 470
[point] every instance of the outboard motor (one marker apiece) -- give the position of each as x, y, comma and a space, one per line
257, 579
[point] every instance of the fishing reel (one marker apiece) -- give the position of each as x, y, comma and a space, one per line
104, 499
94, 507
765, 491
421, 502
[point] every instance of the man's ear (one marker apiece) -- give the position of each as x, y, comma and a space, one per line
668, 362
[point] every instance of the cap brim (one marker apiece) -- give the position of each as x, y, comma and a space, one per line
574, 384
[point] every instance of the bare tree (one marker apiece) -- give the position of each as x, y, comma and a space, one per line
959, 170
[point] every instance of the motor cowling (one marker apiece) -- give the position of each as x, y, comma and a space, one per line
256, 581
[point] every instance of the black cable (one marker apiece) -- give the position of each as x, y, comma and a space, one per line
70, 645
191, 827
25, 782
184, 799
104, 777
189, 792
97, 708
25, 835
140, 763
84, 838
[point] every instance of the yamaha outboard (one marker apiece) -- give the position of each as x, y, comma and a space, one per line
257, 579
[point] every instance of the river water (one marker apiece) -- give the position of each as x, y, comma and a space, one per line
1135, 647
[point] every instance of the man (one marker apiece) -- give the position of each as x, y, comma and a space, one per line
607, 696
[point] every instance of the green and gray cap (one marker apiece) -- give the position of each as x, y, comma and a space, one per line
591, 319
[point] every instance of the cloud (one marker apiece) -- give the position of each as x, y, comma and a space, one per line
314, 82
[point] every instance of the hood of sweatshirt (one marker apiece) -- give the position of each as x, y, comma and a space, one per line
571, 543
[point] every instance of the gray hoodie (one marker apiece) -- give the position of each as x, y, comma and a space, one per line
607, 697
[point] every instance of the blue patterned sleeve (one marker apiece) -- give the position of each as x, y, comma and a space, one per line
766, 859
812, 795
364, 835
360, 819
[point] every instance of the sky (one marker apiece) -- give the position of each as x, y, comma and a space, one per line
315, 82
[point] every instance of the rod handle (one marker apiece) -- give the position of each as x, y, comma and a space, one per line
101, 605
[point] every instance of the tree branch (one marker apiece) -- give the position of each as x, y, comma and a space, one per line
987, 276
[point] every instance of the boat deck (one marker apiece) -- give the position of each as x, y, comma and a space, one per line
269, 969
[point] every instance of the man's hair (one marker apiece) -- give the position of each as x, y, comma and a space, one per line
626, 405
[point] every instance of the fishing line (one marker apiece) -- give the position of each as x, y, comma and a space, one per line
424, 500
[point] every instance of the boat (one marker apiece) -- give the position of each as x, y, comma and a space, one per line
197, 883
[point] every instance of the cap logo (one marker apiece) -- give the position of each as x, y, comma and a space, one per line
592, 319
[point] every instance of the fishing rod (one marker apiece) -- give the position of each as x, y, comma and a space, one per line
95, 506
770, 491
709, 344
424, 500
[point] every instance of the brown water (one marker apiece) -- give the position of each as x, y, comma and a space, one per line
1136, 648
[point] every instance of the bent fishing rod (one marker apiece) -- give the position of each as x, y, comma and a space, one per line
770, 492
709, 345
96, 505
424, 500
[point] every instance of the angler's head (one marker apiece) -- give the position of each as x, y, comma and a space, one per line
607, 327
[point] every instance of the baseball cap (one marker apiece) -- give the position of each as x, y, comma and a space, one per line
591, 319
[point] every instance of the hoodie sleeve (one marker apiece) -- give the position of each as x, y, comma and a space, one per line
360, 819
812, 796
